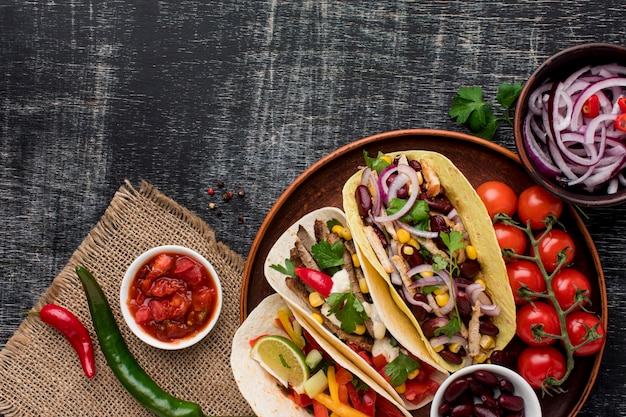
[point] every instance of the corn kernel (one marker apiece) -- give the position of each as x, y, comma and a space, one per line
441, 290
442, 299
345, 233
386, 158
438, 348
355, 260
403, 236
407, 250
487, 342
470, 251
420, 178
360, 329
481, 282
337, 229
454, 347
317, 317
363, 286
427, 274
401, 389
413, 242
316, 299
413, 374
481, 357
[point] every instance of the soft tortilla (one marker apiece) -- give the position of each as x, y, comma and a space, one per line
482, 236
258, 387
302, 310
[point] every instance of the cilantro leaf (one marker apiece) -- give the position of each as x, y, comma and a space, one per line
398, 369
417, 216
453, 241
439, 262
450, 328
470, 109
328, 256
348, 310
377, 163
288, 269
508, 93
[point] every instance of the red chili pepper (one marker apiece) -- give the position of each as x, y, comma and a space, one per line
620, 122
317, 280
621, 102
74, 331
591, 107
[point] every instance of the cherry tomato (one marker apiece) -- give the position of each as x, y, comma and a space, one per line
549, 248
510, 237
577, 324
567, 283
535, 314
498, 197
526, 273
535, 204
536, 363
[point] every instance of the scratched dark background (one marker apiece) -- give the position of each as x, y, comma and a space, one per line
251, 93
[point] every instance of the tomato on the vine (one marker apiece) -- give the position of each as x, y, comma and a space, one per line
568, 284
553, 243
525, 273
537, 314
511, 237
578, 325
535, 204
537, 363
498, 197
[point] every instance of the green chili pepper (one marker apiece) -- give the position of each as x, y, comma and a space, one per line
122, 362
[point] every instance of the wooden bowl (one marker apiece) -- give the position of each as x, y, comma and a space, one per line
557, 68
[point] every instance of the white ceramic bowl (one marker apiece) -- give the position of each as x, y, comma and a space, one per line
532, 407
132, 271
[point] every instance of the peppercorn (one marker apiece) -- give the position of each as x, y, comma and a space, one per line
240, 219
241, 192
220, 184
218, 212
212, 206
226, 196
211, 191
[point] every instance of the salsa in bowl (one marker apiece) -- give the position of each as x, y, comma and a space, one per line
171, 297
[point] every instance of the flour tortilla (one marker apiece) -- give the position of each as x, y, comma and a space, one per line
482, 236
302, 310
258, 387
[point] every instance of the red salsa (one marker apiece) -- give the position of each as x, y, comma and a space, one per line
173, 296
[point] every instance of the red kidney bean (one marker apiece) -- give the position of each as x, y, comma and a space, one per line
464, 304
444, 409
451, 357
439, 203
411, 255
487, 378
511, 402
479, 389
488, 328
430, 325
462, 410
506, 386
489, 400
470, 268
363, 199
481, 410
456, 389
415, 165
419, 312
506, 359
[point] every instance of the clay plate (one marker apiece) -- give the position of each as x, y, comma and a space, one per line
480, 161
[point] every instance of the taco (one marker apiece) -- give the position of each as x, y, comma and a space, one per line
354, 392
427, 243
314, 266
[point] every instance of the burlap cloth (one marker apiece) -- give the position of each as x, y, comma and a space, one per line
39, 372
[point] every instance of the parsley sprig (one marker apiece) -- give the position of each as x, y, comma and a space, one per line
469, 108
348, 310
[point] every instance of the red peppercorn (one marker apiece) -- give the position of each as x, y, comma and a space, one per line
211, 191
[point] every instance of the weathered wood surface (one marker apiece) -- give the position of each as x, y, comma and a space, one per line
185, 94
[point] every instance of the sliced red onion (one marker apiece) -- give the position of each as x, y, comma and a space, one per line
418, 233
418, 269
491, 310
438, 341
413, 194
424, 282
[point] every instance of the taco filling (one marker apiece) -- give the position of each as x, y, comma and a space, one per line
324, 273
422, 246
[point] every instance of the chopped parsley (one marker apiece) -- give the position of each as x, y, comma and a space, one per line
348, 310
399, 369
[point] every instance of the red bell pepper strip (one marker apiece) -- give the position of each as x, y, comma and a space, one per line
74, 331
317, 280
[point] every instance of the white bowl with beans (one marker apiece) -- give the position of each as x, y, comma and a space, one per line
485, 390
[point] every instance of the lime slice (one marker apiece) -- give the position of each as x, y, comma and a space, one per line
282, 359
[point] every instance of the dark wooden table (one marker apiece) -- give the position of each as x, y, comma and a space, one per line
187, 96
